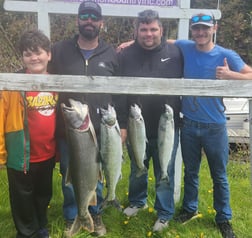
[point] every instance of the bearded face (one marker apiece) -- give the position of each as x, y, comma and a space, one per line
89, 30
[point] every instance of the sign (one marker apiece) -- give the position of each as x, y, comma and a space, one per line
161, 3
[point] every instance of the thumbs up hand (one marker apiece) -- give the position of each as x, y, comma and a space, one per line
223, 72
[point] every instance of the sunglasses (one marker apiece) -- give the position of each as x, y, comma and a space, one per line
85, 17
204, 18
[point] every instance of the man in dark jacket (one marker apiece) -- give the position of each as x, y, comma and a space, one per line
151, 56
85, 54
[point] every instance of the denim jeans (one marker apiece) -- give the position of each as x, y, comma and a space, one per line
213, 138
69, 203
138, 186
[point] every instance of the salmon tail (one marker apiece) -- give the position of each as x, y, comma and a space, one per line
141, 172
88, 223
164, 178
79, 223
75, 228
114, 203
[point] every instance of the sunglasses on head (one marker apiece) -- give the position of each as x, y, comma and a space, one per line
203, 18
86, 16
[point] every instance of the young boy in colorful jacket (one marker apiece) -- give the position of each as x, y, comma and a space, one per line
27, 142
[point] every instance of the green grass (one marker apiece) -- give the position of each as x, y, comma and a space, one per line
140, 226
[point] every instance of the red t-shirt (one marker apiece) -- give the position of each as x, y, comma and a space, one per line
41, 114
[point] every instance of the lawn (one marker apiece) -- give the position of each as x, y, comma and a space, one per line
118, 226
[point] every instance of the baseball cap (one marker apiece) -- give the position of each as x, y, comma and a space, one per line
206, 19
90, 6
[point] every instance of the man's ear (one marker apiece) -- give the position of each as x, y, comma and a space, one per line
76, 21
215, 27
161, 30
102, 25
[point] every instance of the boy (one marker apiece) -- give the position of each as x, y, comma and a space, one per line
27, 143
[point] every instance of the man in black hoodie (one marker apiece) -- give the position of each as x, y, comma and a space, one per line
84, 54
151, 56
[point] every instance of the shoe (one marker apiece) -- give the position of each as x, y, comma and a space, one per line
43, 233
99, 227
132, 210
185, 216
160, 225
226, 230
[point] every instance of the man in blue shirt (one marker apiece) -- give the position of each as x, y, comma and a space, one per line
204, 121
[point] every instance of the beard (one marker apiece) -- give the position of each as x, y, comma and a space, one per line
88, 33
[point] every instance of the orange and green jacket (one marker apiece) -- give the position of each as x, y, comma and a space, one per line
14, 133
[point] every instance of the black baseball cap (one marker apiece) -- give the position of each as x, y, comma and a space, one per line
90, 6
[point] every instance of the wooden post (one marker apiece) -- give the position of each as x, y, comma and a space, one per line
250, 136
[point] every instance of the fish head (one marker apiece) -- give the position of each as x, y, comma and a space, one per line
76, 116
135, 112
108, 115
168, 111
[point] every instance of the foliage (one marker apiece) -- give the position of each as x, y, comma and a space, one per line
236, 27
119, 226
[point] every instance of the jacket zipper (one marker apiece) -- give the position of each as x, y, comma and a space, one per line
25, 132
86, 66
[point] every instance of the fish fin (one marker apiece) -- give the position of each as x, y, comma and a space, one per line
92, 130
68, 179
79, 223
101, 175
93, 200
118, 128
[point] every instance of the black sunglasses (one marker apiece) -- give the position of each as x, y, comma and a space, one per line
86, 16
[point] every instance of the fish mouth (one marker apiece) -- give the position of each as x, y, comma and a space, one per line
76, 114
108, 115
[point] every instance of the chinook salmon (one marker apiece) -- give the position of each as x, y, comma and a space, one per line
111, 152
137, 137
83, 165
165, 140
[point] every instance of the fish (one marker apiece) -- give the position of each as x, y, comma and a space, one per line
84, 165
137, 138
111, 153
165, 140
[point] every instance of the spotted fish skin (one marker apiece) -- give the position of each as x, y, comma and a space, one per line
137, 137
165, 140
111, 150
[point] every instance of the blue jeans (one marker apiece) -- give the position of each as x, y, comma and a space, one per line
213, 138
69, 203
164, 201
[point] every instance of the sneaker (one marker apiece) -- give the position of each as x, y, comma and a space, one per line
133, 210
185, 216
99, 227
160, 225
43, 233
226, 230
